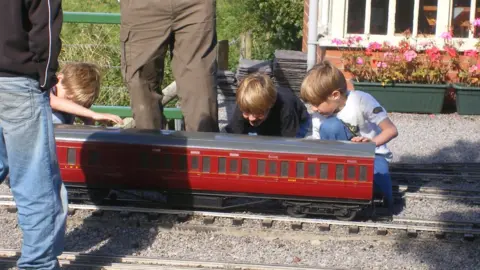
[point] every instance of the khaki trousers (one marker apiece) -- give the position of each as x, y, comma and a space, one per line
148, 27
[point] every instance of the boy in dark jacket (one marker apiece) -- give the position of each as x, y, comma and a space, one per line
30, 44
265, 110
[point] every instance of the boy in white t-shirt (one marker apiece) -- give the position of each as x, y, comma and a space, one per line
353, 116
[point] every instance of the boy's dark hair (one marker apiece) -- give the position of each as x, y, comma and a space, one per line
321, 81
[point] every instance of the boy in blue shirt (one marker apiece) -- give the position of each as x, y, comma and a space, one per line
353, 116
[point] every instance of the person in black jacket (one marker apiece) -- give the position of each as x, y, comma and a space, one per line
29, 46
263, 109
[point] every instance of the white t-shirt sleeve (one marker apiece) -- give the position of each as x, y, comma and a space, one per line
372, 110
316, 122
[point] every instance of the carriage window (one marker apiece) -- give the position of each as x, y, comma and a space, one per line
206, 164
71, 156
300, 169
284, 168
311, 170
222, 165
350, 172
272, 168
363, 173
233, 165
323, 171
195, 163
261, 167
182, 163
94, 157
245, 166
339, 172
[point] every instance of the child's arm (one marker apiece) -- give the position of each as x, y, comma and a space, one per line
375, 113
316, 122
389, 132
64, 105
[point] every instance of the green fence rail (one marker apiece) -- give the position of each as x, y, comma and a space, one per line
111, 18
123, 111
91, 17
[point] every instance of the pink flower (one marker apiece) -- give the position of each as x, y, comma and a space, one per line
374, 46
470, 53
337, 41
381, 65
472, 69
360, 61
410, 55
390, 56
446, 35
358, 38
476, 22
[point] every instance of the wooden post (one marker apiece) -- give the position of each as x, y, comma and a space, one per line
242, 46
222, 55
248, 45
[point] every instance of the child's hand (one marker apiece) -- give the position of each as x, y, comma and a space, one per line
360, 139
107, 117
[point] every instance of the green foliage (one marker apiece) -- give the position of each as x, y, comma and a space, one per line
274, 24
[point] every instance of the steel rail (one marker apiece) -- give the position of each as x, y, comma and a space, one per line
462, 227
138, 262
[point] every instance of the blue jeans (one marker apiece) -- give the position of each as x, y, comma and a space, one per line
333, 129
28, 155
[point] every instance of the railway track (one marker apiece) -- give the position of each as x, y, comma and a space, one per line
435, 167
468, 229
9, 257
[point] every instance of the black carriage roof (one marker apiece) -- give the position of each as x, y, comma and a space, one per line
213, 141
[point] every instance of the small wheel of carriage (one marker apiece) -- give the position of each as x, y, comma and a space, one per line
349, 216
97, 196
296, 212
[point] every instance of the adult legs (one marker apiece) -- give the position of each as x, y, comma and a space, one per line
38, 191
3, 157
144, 35
194, 63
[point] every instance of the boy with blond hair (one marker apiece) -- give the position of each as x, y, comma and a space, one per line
77, 89
350, 116
262, 109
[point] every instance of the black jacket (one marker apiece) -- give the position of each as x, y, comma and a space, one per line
284, 118
30, 39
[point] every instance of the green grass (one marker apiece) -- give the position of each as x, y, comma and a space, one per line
100, 44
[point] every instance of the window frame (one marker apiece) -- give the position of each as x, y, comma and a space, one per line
337, 24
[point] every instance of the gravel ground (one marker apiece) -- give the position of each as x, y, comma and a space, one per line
432, 209
295, 248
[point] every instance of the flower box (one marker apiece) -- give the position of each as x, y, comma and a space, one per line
468, 99
406, 98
